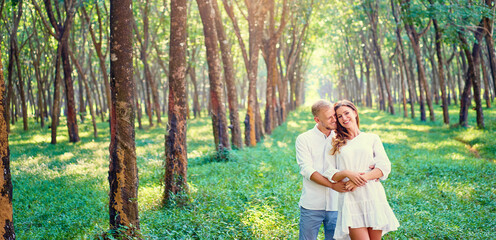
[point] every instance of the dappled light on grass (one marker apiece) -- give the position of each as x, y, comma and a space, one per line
437, 188
461, 190
264, 221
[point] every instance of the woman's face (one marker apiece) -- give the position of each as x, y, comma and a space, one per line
346, 117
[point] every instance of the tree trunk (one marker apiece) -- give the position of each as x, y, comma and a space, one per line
373, 18
229, 76
69, 88
256, 15
441, 73
101, 56
56, 98
219, 121
192, 75
6, 208
144, 58
14, 56
472, 79
423, 85
485, 76
175, 144
82, 78
488, 24
123, 171
410, 82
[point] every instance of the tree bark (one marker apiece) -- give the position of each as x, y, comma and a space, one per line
123, 171
6, 208
219, 121
175, 144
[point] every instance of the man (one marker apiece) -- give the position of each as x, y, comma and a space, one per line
318, 202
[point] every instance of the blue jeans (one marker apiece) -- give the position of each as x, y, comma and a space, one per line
311, 220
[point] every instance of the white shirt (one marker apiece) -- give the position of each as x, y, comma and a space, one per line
311, 149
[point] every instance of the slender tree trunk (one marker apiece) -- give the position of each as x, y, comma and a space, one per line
56, 98
219, 121
14, 56
485, 76
144, 58
69, 89
175, 144
192, 74
372, 14
82, 78
101, 57
472, 79
441, 73
423, 85
123, 171
488, 24
256, 15
232, 95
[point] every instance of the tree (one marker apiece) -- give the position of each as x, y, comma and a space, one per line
61, 29
123, 171
218, 112
144, 42
415, 39
6, 209
175, 143
255, 17
441, 71
270, 55
371, 8
232, 95
98, 48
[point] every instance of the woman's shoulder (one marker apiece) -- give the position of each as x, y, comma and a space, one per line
370, 135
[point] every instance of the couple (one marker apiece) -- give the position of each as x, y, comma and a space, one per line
335, 157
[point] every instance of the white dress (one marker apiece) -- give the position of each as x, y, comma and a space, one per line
367, 206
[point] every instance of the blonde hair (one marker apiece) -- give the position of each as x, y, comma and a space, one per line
342, 133
319, 106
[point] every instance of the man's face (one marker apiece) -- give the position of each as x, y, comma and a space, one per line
326, 119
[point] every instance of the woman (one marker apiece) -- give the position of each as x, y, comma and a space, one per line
364, 213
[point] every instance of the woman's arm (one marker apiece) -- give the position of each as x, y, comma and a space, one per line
374, 174
355, 177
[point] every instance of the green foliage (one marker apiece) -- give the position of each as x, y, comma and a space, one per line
438, 189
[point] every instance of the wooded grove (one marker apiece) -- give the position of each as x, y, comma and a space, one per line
246, 64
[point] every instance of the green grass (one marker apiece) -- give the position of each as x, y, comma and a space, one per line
438, 188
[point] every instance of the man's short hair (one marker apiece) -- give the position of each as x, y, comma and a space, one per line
320, 105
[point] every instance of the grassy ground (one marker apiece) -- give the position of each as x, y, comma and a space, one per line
442, 185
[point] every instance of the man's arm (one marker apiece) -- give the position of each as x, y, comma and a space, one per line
338, 186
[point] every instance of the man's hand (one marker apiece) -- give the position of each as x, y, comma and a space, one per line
340, 187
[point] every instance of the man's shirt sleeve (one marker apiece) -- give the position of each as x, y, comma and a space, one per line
304, 157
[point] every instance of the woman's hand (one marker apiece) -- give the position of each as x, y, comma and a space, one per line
350, 186
356, 178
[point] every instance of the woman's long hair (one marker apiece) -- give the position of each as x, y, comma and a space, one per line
342, 133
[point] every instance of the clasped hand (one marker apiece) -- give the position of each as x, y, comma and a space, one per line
356, 180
